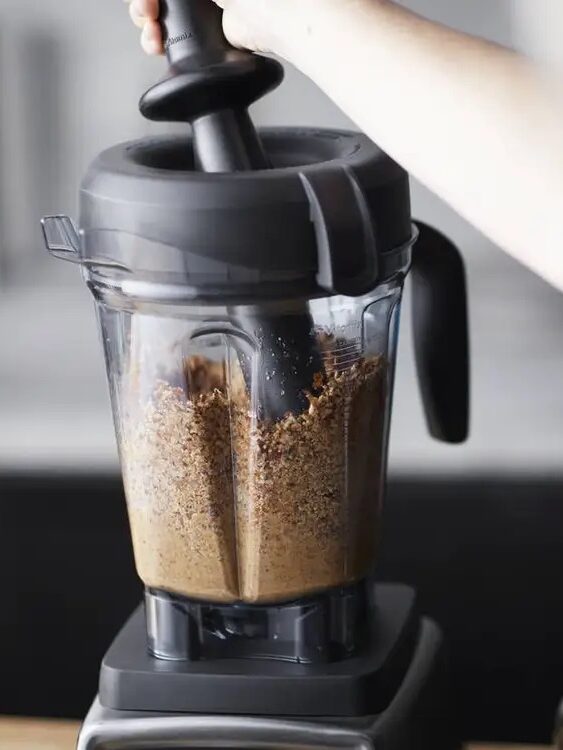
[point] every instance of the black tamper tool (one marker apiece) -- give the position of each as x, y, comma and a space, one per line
211, 85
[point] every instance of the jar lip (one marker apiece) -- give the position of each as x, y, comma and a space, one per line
395, 265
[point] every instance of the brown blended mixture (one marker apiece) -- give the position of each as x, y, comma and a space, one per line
176, 456
297, 512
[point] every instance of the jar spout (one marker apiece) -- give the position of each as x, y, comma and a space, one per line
61, 238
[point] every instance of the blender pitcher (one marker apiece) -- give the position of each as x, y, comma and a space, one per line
226, 502
248, 298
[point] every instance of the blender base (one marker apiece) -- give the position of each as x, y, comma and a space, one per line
131, 679
416, 715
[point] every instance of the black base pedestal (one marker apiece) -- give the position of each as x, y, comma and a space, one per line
394, 695
133, 680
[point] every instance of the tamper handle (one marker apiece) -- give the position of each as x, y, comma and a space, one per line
210, 84
191, 28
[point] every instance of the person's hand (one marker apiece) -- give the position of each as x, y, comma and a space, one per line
144, 14
258, 25
267, 25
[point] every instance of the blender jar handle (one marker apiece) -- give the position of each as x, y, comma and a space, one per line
441, 334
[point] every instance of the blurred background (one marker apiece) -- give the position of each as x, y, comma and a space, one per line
477, 528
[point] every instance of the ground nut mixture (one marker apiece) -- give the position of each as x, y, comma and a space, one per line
224, 507
176, 457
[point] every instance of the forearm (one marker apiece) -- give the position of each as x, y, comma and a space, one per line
473, 121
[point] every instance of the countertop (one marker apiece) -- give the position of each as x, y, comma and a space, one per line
48, 734
37, 734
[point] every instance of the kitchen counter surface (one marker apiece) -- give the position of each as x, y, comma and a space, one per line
49, 734
37, 734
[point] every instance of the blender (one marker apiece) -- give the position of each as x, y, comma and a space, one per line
248, 288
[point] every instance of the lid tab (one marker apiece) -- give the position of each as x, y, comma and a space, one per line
346, 246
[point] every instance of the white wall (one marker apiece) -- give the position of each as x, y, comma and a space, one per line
537, 28
70, 74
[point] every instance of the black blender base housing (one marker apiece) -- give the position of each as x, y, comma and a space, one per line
416, 716
361, 685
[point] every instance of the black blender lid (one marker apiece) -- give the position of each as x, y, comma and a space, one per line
331, 216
